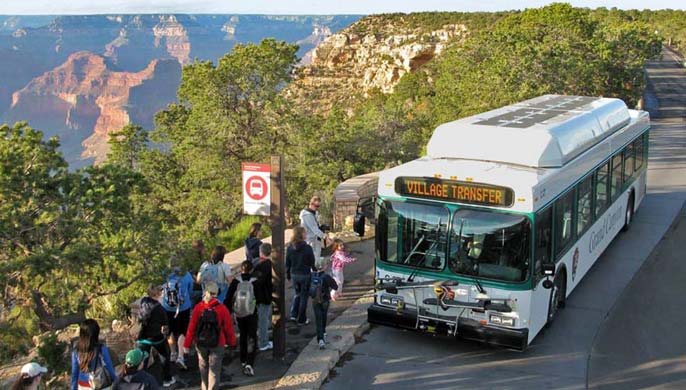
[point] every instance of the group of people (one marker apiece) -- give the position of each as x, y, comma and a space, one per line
308, 270
201, 310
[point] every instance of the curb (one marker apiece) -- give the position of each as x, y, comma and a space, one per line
312, 366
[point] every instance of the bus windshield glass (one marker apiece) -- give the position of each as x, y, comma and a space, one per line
413, 234
490, 245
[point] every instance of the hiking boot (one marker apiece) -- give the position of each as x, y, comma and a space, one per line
322, 344
267, 347
169, 382
248, 370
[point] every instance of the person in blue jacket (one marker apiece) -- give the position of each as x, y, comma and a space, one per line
177, 302
88, 354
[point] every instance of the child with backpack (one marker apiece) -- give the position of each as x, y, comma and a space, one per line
339, 259
321, 285
211, 328
176, 301
242, 297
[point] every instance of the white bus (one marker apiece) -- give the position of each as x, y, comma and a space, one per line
486, 236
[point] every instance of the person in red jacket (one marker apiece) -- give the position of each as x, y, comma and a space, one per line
211, 328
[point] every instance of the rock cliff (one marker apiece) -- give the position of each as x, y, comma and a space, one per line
85, 98
348, 64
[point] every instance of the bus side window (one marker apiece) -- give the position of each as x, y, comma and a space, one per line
544, 242
601, 189
628, 162
638, 151
616, 175
564, 213
583, 205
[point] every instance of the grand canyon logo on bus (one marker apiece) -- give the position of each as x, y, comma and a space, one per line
575, 262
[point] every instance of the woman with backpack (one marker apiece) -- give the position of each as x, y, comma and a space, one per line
91, 365
176, 301
242, 296
211, 328
217, 271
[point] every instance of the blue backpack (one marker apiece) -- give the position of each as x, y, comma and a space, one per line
317, 289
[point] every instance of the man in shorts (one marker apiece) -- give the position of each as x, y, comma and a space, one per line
176, 301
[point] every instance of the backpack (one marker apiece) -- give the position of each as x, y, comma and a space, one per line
171, 293
211, 274
146, 308
207, 331
317, 287
244, 301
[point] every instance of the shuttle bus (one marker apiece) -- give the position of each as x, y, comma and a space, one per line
487, 235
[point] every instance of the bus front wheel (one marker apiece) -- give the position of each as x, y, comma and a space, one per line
629, 215
557, 296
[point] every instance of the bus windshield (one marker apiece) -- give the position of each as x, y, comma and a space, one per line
490, 245
413, 234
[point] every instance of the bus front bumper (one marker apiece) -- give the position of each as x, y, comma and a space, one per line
467, 328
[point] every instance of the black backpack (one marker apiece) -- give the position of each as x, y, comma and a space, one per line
317, 289
146, 308
207, 331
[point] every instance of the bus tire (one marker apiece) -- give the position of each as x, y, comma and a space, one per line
557, 295
629, 214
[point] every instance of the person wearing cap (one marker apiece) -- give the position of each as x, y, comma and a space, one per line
210, 358
30, 377
133, 377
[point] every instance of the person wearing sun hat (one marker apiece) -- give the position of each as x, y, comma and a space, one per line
30, 377
133, 377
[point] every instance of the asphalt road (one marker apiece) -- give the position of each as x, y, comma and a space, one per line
600, 321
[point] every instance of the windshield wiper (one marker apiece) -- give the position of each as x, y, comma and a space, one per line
410, 278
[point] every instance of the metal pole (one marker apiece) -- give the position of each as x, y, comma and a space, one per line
276, 222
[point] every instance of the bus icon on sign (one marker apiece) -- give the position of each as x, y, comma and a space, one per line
256, 188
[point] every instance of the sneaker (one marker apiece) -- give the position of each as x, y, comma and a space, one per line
169, 382
322, 344
173, 357
181, 363
294, 319
307, 321
248, 370
267, 347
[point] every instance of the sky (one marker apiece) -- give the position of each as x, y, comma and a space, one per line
299, 7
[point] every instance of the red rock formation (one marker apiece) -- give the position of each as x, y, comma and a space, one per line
175, 38
87, 95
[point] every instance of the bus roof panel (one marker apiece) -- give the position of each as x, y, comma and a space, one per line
544, 132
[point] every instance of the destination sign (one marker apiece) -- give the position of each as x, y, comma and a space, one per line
454, 191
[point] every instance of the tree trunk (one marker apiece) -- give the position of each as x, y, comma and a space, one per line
46, 321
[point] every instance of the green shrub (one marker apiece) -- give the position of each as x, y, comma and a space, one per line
51, 353
234, 237
15, 341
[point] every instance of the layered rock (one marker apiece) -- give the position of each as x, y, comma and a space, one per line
354, 61
85, 100
175, 38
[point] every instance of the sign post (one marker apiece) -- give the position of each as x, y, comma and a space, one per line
256, 200
276, 223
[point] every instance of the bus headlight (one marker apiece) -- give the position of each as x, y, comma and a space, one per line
390, 300
496, 319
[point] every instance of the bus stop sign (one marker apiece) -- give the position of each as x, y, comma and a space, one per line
256, 197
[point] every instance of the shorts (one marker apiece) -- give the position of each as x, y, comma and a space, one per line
179, 325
